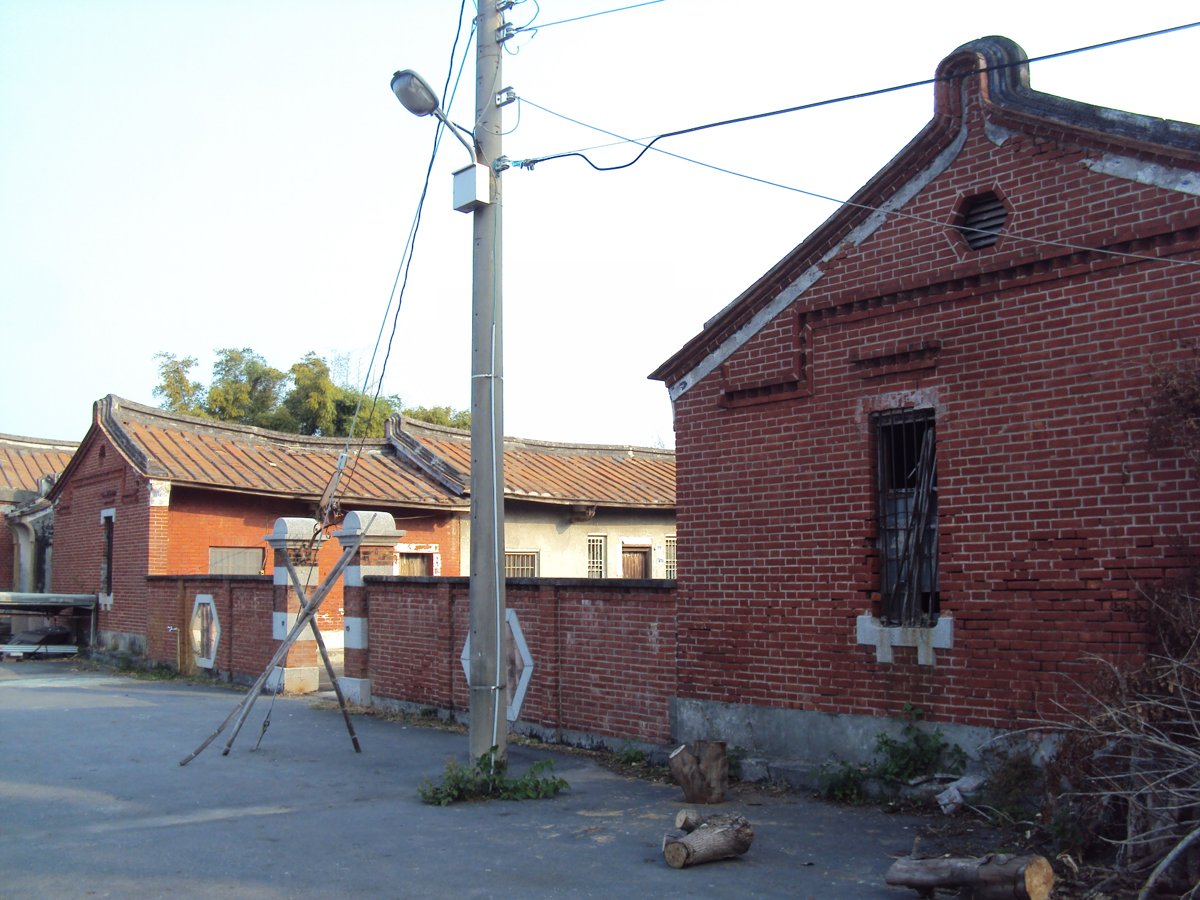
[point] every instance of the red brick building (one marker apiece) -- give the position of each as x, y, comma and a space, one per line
913, 456
152, 494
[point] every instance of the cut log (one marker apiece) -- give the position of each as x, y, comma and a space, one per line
688, 820
703, 775
990, 877
720, 838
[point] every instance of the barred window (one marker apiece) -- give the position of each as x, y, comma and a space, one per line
521, 564
672, 570
906, 470
597, 553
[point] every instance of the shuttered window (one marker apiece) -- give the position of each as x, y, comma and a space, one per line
235, 560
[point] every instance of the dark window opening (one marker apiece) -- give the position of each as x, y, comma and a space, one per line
106, 566
907, 508
983, 220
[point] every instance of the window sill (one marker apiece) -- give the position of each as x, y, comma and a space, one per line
884, 637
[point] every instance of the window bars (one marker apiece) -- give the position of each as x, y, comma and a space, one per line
597, 547
907, 509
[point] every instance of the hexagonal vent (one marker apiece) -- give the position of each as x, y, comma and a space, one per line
982, 220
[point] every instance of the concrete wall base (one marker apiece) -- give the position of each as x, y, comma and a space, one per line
355, 690
295, 680
790, 745
120, 643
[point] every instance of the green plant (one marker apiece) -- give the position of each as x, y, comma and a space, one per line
630, 755
916, 752
842, 781
488, 780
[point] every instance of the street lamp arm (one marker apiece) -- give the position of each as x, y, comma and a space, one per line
457, 132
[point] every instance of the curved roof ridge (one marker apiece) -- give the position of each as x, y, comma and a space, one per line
1006, 67
112, 403
409, 424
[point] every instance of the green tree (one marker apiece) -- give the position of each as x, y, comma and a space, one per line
441, 415
245, 389
307, 399
179, 393
313, 399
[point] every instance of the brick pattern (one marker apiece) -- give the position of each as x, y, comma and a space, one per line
604, 656
1053, 513
102, 480
175, 539
244, 605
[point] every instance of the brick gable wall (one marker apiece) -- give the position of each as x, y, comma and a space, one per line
100, 479
1053, 513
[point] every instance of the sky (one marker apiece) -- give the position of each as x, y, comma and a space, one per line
182, 177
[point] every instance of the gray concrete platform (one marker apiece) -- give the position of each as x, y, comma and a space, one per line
93, 802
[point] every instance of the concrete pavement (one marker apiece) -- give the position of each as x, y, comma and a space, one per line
93, 802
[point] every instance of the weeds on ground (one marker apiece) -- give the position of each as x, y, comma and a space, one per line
488, 780
915, 754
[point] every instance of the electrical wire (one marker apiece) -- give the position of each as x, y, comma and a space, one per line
890, 212
529, 163
603, 12
400, 282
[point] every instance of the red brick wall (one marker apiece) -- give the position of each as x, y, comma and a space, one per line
244, 606
1053, 512
604, 656
102, 480
8, 568
175, 540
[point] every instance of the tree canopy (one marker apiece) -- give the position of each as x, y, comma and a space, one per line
303, 400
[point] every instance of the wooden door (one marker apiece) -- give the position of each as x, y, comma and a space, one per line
635, 562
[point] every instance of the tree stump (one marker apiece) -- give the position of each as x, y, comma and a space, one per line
705, 840
993, 877
703, 775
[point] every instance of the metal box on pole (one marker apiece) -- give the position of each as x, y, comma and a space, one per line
471, 188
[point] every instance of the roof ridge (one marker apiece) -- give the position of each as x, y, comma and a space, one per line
1006, 66
38, 443
219, 425
510, 441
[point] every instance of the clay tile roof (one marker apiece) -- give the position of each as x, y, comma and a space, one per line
614, 476
191, 451
25, 460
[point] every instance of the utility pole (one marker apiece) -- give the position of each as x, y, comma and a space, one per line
488, 673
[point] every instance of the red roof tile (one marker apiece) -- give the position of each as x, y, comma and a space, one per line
619, 476
24, 460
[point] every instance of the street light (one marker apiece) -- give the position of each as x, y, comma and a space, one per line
487, 672
418, 98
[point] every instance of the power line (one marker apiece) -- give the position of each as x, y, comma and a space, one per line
401, 281
603, 12
819, 196
530, 163
890, 212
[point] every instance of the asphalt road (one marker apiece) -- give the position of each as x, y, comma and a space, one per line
94, 803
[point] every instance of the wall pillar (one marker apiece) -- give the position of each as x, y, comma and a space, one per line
299, 540
374, 535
